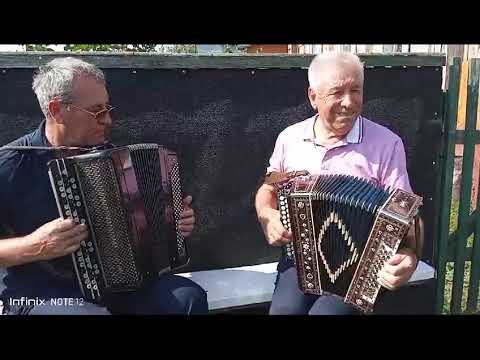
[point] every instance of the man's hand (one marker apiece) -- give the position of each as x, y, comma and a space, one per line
399, 269
56, 238
273, 229
187, 217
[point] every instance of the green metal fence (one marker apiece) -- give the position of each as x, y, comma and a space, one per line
459, 244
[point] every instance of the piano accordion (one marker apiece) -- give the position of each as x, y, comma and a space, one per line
131, 199
344, 231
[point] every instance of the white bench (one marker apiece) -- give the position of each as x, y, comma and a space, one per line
249, 285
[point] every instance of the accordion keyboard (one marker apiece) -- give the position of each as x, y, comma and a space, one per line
70, 204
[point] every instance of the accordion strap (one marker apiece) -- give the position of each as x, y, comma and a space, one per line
419, 236
277, 178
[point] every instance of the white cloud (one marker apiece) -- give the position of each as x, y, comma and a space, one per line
12, 47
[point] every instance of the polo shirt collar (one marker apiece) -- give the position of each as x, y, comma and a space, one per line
354, 136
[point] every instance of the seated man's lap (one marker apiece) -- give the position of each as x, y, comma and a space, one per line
168, 294
288, 299
78, 308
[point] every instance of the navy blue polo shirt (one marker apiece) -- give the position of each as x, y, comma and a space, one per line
26, 203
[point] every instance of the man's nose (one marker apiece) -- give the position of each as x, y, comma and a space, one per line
347, 100
107, 120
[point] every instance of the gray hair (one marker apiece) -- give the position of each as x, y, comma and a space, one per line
55, 80
321, 61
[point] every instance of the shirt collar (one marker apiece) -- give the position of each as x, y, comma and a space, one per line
354, 136
38, 137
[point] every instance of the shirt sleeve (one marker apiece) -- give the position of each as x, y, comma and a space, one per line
394, 171
276, 160
5, 171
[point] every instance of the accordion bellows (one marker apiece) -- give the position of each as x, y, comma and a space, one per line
130, 198
344, 231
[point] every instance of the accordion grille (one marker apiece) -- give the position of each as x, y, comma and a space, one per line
109, 221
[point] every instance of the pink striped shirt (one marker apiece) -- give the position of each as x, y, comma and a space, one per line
369, 150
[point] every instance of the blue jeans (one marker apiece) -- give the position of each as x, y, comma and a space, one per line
168, 294
288, 299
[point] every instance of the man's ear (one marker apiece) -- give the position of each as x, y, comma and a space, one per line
54, 110
312, 95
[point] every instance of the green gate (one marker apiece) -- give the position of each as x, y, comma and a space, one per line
458, 256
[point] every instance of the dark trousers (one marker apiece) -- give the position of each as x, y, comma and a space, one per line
169, 294
288, 299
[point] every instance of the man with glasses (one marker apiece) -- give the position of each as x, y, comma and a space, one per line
35, 244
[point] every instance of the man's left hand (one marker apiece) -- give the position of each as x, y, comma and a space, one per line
187, 217
399, 269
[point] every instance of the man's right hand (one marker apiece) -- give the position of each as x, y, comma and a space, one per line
56, 238
273, 229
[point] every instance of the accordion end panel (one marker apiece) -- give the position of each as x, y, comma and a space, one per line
88, 192
390, 228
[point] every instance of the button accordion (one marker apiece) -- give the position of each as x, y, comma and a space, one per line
130, 198
344, 230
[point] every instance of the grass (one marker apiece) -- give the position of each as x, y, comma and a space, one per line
450, 267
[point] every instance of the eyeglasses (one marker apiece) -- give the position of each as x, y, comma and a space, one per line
99, 115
